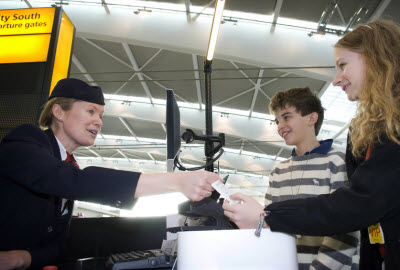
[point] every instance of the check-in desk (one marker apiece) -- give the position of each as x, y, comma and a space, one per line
211, 249
97, 238
236, 250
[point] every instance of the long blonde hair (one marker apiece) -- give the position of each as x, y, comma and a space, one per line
378, 113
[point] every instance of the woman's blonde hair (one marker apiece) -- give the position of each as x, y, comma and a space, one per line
46, 117
378, 112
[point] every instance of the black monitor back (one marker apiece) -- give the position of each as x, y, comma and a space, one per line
173, 125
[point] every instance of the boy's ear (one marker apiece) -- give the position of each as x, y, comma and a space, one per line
313, 118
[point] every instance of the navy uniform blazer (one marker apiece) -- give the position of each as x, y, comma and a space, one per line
33, 180
373, 196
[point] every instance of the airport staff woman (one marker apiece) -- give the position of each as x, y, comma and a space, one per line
368, 70
37, 186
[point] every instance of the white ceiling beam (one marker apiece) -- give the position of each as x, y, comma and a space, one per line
119, 60
256, 147
340, 14
131, 154
82, 69
150, 78
341, 130
151, 156
197, 77
277, 11
95, 152
151, 59
187, 5
104, 4
137, 69
78, 153
251, 89
141, 68
235, 96
106, 52
28, 4
279, 153
122, 154
241, 71
163, 86
164, 127
113, 155
379, 10
323, 89
128, 127
125, 83
205, 7
241, 147
270, 81
257, 88
237, 140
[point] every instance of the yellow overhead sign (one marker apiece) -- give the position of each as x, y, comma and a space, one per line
25, 34
63, 53
24, 49
26, 21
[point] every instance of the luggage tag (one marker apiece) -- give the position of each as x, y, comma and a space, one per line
260, 224
375, 233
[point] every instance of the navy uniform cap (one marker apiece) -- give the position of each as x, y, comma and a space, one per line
77, 89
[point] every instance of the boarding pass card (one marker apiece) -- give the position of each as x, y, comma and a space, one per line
224, 191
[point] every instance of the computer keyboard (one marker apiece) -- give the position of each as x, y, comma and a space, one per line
154, 258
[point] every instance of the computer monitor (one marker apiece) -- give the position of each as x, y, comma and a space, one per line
211, 211
173, 124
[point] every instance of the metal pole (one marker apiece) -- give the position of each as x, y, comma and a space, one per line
209, 146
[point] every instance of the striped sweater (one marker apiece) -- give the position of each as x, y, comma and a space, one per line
320, 172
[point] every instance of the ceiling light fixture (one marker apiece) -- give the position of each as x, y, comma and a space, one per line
219, 8
142, 10
322, 32
230, 20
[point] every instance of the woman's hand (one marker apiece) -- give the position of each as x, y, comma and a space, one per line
194, 185
15, 259
197, 185
245, 215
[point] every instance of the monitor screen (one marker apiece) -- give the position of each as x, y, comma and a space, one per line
173, 125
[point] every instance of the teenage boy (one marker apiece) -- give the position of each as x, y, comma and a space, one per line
314, 168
